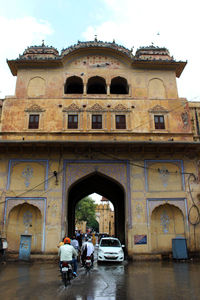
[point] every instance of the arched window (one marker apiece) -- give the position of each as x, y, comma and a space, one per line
96, 85
119, 85
74, 85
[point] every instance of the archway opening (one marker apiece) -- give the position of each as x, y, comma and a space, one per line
102, 185
74, 85
95, 214
96, 85
119, 85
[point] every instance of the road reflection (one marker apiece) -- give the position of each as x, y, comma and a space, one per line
137, 280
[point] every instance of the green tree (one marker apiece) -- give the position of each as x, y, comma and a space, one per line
92, 223
85, 211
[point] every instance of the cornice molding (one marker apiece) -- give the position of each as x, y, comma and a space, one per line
72, 107
158, 109
34, 108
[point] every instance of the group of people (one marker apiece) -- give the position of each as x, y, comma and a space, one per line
82, 236
70, 250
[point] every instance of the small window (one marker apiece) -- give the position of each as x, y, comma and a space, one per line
96, 121
72, 121
120, 122
33, 122
159, 122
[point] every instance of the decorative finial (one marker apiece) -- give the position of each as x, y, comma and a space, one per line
42, 43
113, 41
95, 38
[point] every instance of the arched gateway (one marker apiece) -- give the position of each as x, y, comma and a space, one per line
105, 186
116, 139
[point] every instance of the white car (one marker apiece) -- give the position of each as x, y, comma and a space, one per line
110, 249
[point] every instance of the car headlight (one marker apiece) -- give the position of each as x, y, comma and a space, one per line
100, 252
121, 251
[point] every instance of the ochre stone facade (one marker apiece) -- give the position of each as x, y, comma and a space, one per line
105, 217
97, 118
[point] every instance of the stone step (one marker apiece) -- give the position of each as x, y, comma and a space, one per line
33, 257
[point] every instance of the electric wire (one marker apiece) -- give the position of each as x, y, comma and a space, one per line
107, 155
148, 121
33, 188
134, 164
145, 167
193, 207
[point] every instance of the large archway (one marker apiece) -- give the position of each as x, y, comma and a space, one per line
105, 186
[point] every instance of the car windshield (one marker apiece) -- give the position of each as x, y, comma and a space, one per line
110, 243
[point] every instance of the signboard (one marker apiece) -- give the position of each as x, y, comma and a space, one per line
140, 239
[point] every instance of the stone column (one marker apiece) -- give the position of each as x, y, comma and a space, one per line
84, 89
108, 89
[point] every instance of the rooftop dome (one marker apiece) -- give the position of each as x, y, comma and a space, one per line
97, 44
153, 53
40, 52
151, 57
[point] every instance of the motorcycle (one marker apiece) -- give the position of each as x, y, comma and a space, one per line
66, 271
88, 263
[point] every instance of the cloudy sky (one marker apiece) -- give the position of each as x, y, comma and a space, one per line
174, 24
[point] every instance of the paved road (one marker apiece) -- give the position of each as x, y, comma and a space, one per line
142, 280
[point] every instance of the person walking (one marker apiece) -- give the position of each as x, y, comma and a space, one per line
75, 244
93, 239
4, 249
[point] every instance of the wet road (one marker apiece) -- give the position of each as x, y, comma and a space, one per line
138, 280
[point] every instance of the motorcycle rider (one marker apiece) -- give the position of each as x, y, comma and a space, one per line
75, 243
66, 253
87, 249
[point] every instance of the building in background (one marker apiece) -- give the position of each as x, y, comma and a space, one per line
195, 119
81, 226
105, 217
98, 118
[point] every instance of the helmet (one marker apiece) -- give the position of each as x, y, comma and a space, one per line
67, 240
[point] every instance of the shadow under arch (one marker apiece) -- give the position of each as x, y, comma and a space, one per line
167, 205
107, 187
96, 85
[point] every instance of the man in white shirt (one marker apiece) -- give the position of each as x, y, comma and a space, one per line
67, 252
87, 250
